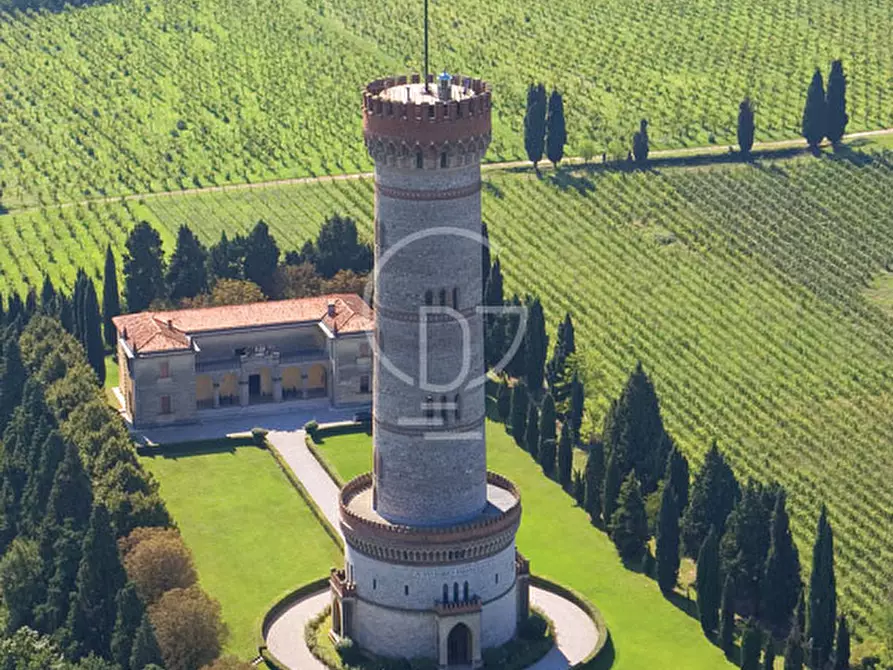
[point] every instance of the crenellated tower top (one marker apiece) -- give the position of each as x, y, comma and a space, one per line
411, 125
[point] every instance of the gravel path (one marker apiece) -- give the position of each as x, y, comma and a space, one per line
285, 639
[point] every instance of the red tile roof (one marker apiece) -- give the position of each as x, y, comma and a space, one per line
151, 332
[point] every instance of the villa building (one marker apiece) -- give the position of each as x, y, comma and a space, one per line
184, 365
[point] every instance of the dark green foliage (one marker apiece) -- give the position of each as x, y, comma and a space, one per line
677, 478
225, 258
517, 364
593, 480
713, 496
262, 257
745, 545
187, 273
751, 646
337, 247
12, 380
47, 296
61, 546
745, 126
91, 618
727, 617
71, 496
37, 491
548, 418
518, 414
641, 143
503, 402
111, 301
145, 647
629, 525
536, 344
793, 649
535, 123
532, 436
92, 332
842, 646
610, 488
815, 112
493, 295
769, 654
707, 583
546, 456
800, 610
575, 412
565, 456
556, 133
129, 616
556, 368
836, 104
143, 267
634, 431
781, 585
578, 488
21, 583
667, 549
821, 612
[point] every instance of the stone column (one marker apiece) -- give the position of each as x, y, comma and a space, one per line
243, 392
277, 389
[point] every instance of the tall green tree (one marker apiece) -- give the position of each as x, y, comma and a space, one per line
145, 649
187, 271
37, 490
641, 143
667, 550
21, 583
793, 649
143, 267
769, 654
713, 495
577, 401
745, 127
546, 454
842, 647
556, 133
557, 366
836, 104
532, 436
128, 617
708, 584
535, 123
593, 479
548, 418
745, 546
781, 582
611, 488
92, 334
822, 599
727, 617
815, 112
536, 344
337, 247
751, 646
503, 403
262, 257
565, 456
111, 301
677, 478
12, 380
91, 618
493, 295
47, 296
629, 523
226, 258
518, 414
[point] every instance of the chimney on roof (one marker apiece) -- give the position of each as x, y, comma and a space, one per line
124, 333
170, 324
331, 309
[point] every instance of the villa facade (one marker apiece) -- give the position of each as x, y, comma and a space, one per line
184, 365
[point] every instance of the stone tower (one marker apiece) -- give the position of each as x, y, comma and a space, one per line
431, 568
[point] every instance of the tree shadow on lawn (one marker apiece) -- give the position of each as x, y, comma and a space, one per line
52, 6
197, 448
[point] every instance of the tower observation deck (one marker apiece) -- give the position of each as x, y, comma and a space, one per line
431, 568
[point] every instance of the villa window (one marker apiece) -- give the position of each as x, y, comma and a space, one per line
165, 370
364, 384
365, 350
165, 404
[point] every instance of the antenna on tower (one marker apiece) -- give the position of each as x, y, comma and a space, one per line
426, 47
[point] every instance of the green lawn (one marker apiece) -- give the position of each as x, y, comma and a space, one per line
252, 535
648, 632
349, 455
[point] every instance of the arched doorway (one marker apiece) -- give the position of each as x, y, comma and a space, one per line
459, 645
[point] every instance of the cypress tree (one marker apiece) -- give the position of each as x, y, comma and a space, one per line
556, 133
836, 103
769, 654
579, 488
503, 403
547, 418
713, 495
262, 256
727, 617
556, 368
547, 456
536, 344
48, 296
667, 550
532, 437
781, 585
575, 415
111, 301
745, 127
793, 650
71, 496
751, 646
143, 267
145, 647
92, 333
61, 551
128, 618
535, 123
518, 414
485, 258
593, 479
677, 478
629, 523
745, 546
565, 456
815, 112
822, 599
187, 273
225, 258
842, 647
517, 364
641, 143
12, 380
37, 491
66, 313
91, 617
707, 583
494, 293
610, 489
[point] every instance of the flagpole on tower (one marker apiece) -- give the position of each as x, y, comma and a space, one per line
426, 47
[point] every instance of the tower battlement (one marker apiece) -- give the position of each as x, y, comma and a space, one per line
403, 120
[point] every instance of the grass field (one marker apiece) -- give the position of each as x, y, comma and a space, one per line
647, 630
130, 96
252, 536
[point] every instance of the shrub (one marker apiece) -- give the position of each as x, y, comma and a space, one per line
188, 628
156, 561
259, 435
312, 429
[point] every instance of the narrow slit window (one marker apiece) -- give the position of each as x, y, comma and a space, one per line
444, 413
419, 159
457, 414
446, 593
443, 159
455, 297
429, 407
406, 589
443, 296
455, 592
429, 297
465, 592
